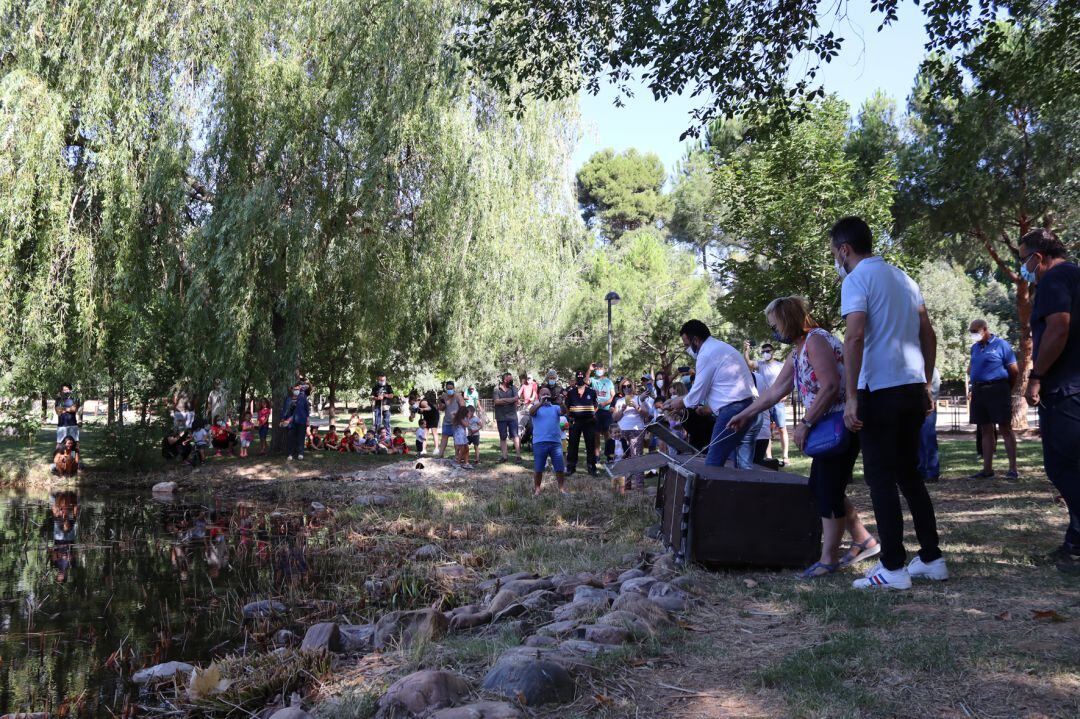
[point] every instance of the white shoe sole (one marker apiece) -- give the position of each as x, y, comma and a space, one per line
888, 587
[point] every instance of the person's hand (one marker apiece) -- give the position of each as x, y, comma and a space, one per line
702, 410
801, 431
930, 406
746, 345
738, 421
1032, 393
851, 414
674, 403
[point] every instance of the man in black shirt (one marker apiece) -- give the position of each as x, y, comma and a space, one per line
381, 394
581, 406
1054, 382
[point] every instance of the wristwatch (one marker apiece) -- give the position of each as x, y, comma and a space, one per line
809, 425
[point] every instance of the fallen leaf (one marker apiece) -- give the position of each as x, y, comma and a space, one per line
1005, 616
1048, 614
750, 583
602, 700
206, 682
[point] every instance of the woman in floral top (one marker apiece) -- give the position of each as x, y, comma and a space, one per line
816, 368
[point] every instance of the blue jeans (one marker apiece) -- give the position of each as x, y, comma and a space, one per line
382, 418
721, 450
1059, 423
542, 451
744, 455
929, 464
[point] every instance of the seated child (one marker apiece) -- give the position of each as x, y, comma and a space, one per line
370, 445
347, 443
221, 438
66, 458
176, 446
314, 439
331, 440
421, 436
385, 443
247, 433
397, 444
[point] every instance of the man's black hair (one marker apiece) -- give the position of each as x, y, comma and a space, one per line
695, 328
767, 345
855, 232
449, 381
65, 386
1045, 242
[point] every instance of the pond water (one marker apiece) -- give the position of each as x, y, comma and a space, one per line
96, 586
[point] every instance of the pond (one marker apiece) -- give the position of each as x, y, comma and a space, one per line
94, 586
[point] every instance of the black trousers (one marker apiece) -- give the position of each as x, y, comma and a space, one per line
1059, 423
294, 441
891, 420
578, 429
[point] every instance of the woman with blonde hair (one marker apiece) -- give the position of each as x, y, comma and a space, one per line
816, 368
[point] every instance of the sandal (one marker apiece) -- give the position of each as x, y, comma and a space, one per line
818, 569
860, 551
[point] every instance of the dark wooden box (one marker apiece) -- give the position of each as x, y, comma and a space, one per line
725, 517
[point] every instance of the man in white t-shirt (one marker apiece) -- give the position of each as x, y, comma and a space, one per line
768, 368
889, 354
722, 383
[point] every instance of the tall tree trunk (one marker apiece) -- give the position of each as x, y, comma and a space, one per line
1023, 355
44, 406
120, 402
111, 416
332, 393
279, 385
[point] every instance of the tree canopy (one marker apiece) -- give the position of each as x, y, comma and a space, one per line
621, 192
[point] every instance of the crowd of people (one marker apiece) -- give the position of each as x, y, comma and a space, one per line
873, 393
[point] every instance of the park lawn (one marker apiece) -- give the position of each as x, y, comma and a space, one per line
1001, 638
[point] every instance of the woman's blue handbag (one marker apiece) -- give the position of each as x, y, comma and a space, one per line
828, 437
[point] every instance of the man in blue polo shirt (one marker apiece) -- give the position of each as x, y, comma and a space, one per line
993, 376
1054, 382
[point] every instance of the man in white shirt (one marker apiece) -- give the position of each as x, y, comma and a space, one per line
722, 383
889, 353
768, 368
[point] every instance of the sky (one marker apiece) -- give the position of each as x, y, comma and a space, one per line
869, 61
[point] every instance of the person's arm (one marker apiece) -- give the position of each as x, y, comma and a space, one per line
779, 389
854, 342
1051, 346
746, 355
699, 391
820, 356
619, 410
928, 344
1014, 374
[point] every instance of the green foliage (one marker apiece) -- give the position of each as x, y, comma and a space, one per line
778, 198
746, 57
621, 192
952, 302
660, 287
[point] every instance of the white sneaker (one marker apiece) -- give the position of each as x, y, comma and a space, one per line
935, 570
878, 577
299, 456
289, 458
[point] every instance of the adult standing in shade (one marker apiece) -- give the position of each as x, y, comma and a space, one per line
449, 404
768, 368
580, 405
295, 417
1054, 382
890, 350
722, 386
605, 400
382, 395
993, 373
506, 418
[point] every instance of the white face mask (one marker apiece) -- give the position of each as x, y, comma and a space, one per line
766, 356
660, 383
840, 269
976, 336
599, 373
691, 351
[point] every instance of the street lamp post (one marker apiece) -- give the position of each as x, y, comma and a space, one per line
612, 298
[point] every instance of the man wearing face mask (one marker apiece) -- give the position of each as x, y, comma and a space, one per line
605, 398
449, 404
993, 374
1054, 382
723, 386
506, 419
768, 368
890, 350
580, 404
295, 418
551, 381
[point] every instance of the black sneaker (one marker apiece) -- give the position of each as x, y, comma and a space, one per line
1060, 554
570, 471
1070, 565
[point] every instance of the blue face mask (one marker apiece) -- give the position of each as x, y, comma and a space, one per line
449, 393
780, 338
1029, 276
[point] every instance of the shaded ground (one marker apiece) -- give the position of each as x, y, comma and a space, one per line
1001, 639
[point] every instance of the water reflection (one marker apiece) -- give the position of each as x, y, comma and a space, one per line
94, 587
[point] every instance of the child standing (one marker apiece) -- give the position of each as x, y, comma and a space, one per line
200, 435
475, 424
421, 437
264, 424
247, 433
461, 437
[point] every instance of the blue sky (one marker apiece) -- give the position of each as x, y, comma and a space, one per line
870, 61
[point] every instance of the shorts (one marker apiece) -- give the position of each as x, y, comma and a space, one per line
829, 479
448, 430
543, 450
508, 428
71, 430
474, 440
603, 420
245, 443
778, 415
264, 430
991, 403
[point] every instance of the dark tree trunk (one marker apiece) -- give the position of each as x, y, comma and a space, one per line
332, 393
279, 385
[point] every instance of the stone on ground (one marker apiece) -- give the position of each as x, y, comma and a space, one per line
427, 552
420, 693
480, 710
372, 500
290, 713
565, 584
580, 610
630, 574
530, 681
639, 585
655, 615
603, 634
407, 627
164, 488
628, 621
670, 598
324, 636
557, 629
358, 637
585, 593
161, 671
581, 646
263, 608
